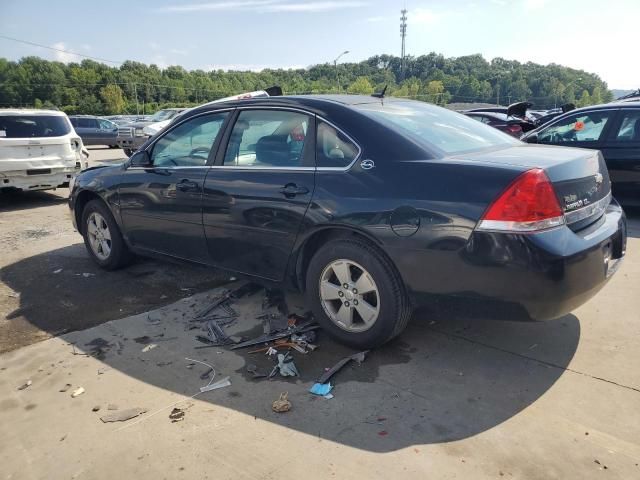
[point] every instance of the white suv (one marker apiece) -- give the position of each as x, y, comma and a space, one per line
39, 150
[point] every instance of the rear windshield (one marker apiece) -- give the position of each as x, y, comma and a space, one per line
436, 127
30, 126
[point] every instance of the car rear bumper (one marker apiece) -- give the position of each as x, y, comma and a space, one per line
37, 182
549, 274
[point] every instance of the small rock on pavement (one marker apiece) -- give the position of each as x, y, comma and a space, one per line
77, 392
65, 388
27, 384
96, 408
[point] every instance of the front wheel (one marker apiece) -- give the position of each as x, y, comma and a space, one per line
102, 237
356, 294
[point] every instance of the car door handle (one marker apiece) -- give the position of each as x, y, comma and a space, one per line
291, 190
187, 186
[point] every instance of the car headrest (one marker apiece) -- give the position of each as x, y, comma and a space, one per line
273, 150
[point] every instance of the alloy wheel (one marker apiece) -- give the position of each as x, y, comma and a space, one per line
99, 236
349, 295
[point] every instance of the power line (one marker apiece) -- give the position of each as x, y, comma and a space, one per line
58, 49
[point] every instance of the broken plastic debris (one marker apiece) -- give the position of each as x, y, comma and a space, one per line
57, 270
225, 382
151, 346
282, 404
321, 389
357, 357
77, 392
27, 384
123, 415
286, 366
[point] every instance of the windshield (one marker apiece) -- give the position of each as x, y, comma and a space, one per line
437, 127
163, 115
33, 126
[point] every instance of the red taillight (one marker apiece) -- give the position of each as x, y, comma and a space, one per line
528, 204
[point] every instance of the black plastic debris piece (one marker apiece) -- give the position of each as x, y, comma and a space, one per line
357, 357
301, 328
227, 297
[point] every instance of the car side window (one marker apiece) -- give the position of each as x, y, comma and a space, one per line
267, 138
106, 124
188, 144
581, 127
479, 118
629, 130
333, 148
84, 123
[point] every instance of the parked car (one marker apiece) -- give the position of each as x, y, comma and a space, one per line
38, 150
506, 117
137, 137
511, 125
612, 128
372, 206
95, 130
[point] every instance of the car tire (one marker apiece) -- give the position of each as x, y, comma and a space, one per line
377, 313
102, 237
128, 152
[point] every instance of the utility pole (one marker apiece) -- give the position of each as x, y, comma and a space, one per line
403, 34
135, 94
335, 64
498, 94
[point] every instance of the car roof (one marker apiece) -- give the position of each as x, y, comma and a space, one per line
30, 111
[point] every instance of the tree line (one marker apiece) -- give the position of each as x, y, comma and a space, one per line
91, 87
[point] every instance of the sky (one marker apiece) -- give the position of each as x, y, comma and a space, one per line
594, 35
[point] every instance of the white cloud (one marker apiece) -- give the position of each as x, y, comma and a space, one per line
273, 6
534, 4
312, 6
179, 51
423, 16
61, 56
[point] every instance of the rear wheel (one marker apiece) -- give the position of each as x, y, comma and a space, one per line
356, 294
102, 237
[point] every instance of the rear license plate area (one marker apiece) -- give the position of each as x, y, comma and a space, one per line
39, 171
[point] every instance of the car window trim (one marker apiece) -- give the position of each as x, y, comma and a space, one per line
218, 164
214, 147
224, 137
603, 135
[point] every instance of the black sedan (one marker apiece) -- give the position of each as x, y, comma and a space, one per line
612, 128
372, 206
510, 125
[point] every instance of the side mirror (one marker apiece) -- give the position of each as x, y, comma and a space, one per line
533, 138
140, 159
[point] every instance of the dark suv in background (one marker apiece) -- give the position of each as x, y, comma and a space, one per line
612, 128
95, 131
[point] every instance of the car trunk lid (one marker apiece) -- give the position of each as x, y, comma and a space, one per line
17, 154
579, 177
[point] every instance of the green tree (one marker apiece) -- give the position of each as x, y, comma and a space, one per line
113, 99
596, 96
585, 99
435, 92
361, 85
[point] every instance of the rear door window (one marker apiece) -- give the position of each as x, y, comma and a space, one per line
580, 127
33, 126
268, 138
629, 130
333, 148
